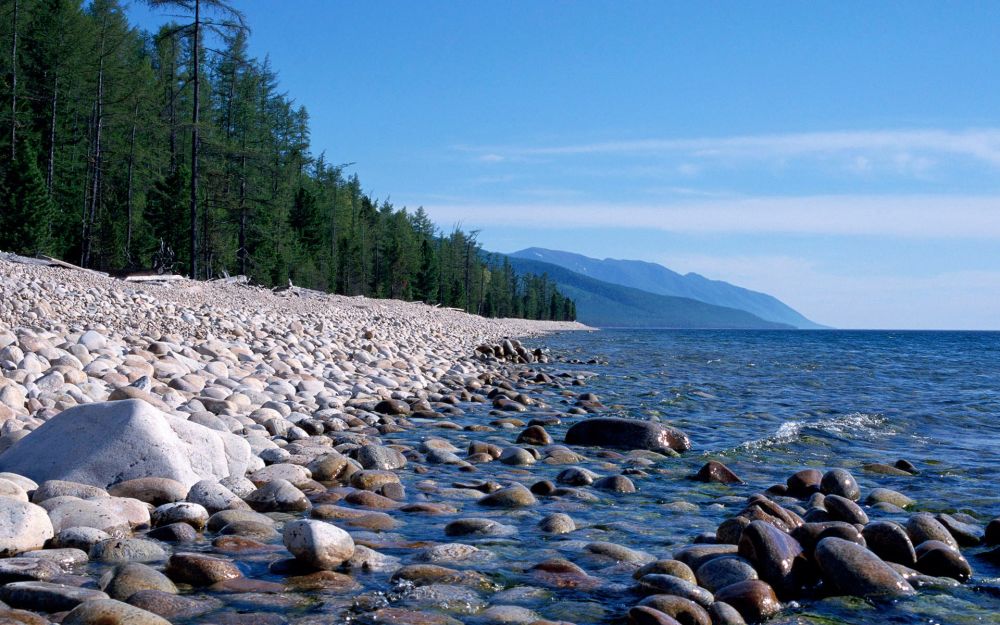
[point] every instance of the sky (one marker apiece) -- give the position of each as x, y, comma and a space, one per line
842, 156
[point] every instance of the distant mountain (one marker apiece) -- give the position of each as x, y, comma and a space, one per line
662, 281
607, 305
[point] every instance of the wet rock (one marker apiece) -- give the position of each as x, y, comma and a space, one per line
517, 456
371, 479
718, 573
174, 533
667, 567
83, 538
618, 553
696, 555
318, 544
715, 471
46, 596
724, 614
804, 483
477, 526
965, 534
20, 617
922, 527
512, 614
172, 606
840, 482
992, 535
127, 550
754, 600
777, 557
615, 484
810, 534
684, 611
516, 496
645, 615
152, 490
576, 476
111, 612
885, 495
27, 569
938, 559
127, 579
223, 518
392, 407
380, 457
658, 583
23, 527
534, 435
192, 514
854, 570
214, 497
199, 569
557, 523
64, 557
843, 509
890, 542
620, 433
278, 496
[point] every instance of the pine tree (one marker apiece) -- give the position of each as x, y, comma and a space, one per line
26, 211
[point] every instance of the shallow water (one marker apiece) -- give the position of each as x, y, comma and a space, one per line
765, 403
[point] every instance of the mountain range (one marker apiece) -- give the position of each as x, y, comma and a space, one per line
637, 294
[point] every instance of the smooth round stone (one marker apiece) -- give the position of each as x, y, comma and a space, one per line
517, 456
193, 514
557, 523
890, 542
453, 553
854, 570
885, 495
718, 573
965, 534
223, 518
661, 584
618, 553
46, 596
174, 533
576, 476
696, 555
111, 612
938, 559
714, 471
278, 496
618, 433
28, 569
840, 482
478, 526
667, 567
516, 496
534, 435
645, 615
843, 509
152, 490
318, 544
508, 615
65, 557
373, 479
23, 527
380, 457
127, 550
127, 579
199, 569
992, 536
777, 557
295, 474
615, 484
809, 534
172, 606
753, 599
12, 490
20, 617
83, 538
724, 614
922, 527
804, 483
685, 611
214, 497
425, 574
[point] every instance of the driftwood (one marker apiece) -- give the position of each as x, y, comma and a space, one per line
166, 277
48, 261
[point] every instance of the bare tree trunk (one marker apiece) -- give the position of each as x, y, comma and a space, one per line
195, 51
13, 85
243, 210
50, 173
172, 110
130, 191
88, 227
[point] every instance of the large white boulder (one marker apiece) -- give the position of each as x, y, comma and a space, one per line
110, 442
23, 527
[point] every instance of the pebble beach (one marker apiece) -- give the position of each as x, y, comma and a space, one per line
191, 452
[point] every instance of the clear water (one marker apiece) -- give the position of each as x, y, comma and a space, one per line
765, 403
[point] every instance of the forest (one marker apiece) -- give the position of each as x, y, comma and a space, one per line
177, 151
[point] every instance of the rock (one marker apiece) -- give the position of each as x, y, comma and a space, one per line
110, 442
221, 519
214, 497
645, 615
111, 612
152, 490
843, 509
318, 544
724, 614
480, 527
127, 579
683, 610
941, 560
20, 617
173, 606
199, 569
23, 527
174, 533
517, 456
615, 484
380, 457
884, 495
778, 557
534, 435
922, 527
127, 550
278, 496
64, 557
180, 512
28, 569
854, 570
83, 538
620, 433
754, 600
373, 480
46, 596
718, 573
618, 553
890, 542
840, 482
557, 523
658, 583
516, 496
965, 534
667, 567
508, 614
696, 555
715, 471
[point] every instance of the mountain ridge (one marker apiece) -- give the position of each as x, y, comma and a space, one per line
659, 280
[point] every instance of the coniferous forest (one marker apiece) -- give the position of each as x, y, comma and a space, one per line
177, 151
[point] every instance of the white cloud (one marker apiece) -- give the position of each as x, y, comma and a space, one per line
925, 216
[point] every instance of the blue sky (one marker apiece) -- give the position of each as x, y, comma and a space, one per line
841, 156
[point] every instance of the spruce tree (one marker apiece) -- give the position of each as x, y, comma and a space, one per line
26, 213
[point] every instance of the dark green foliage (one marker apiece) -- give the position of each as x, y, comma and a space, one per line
103, 173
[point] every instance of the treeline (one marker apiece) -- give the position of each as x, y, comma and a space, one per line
130, 150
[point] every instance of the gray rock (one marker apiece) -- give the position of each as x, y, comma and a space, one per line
105, 443
718, 573
854, 570
840, 482
627, 434
658, 583
380, 457
127, 579
23, 527
890, 542
213, 496
46, 596
111, 612
127, 550
318, 544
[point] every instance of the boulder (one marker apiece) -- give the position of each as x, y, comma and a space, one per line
854, 570
110, 442
318, 544
621, 433
23, 527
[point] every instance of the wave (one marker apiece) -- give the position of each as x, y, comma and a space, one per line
854, 425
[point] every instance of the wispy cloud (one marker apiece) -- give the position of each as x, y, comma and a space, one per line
925, 216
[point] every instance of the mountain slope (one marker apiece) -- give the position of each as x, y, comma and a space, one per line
607, 305
662, 281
